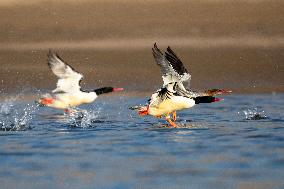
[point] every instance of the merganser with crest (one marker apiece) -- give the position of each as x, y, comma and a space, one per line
174, 96
68, 92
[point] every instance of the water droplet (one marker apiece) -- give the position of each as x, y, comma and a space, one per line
254, 114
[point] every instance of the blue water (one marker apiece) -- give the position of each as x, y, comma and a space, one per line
236, 143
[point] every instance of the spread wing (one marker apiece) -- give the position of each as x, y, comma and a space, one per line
171, 66
68, 78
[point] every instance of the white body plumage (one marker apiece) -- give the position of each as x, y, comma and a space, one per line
67, 100
170, 105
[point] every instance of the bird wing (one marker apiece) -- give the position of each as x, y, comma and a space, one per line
159, 96
171, 66
176, 63
68, 78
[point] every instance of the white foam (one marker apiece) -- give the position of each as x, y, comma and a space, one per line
254, 114
13, 117
82, 118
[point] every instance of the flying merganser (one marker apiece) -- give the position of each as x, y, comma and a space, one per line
68, 92
174, 95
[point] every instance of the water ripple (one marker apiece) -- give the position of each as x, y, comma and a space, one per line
107, 144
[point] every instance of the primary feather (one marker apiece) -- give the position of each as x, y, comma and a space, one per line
172, 67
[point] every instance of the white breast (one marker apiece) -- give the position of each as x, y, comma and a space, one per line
67, 100
170, 105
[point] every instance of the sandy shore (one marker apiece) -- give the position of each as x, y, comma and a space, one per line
242, 70
225, 44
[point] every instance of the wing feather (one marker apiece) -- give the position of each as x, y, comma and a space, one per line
161, 60
68, 78
168, 73
171, 66
175, 62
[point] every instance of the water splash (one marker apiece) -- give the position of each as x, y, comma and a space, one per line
254, 114
82, 118
6, 106
15, 118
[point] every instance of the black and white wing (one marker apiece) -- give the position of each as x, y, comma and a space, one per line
159, 96
69, 79
176, 63
171, 66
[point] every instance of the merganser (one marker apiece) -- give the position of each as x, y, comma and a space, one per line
68, 92
174, 96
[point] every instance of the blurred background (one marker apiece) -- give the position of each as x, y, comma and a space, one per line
232, 44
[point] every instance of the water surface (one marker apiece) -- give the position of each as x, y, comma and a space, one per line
218, 145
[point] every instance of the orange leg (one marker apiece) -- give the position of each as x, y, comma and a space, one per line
174, 115
172, 123
159, 116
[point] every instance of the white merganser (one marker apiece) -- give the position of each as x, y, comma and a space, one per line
173, 95
68, 92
